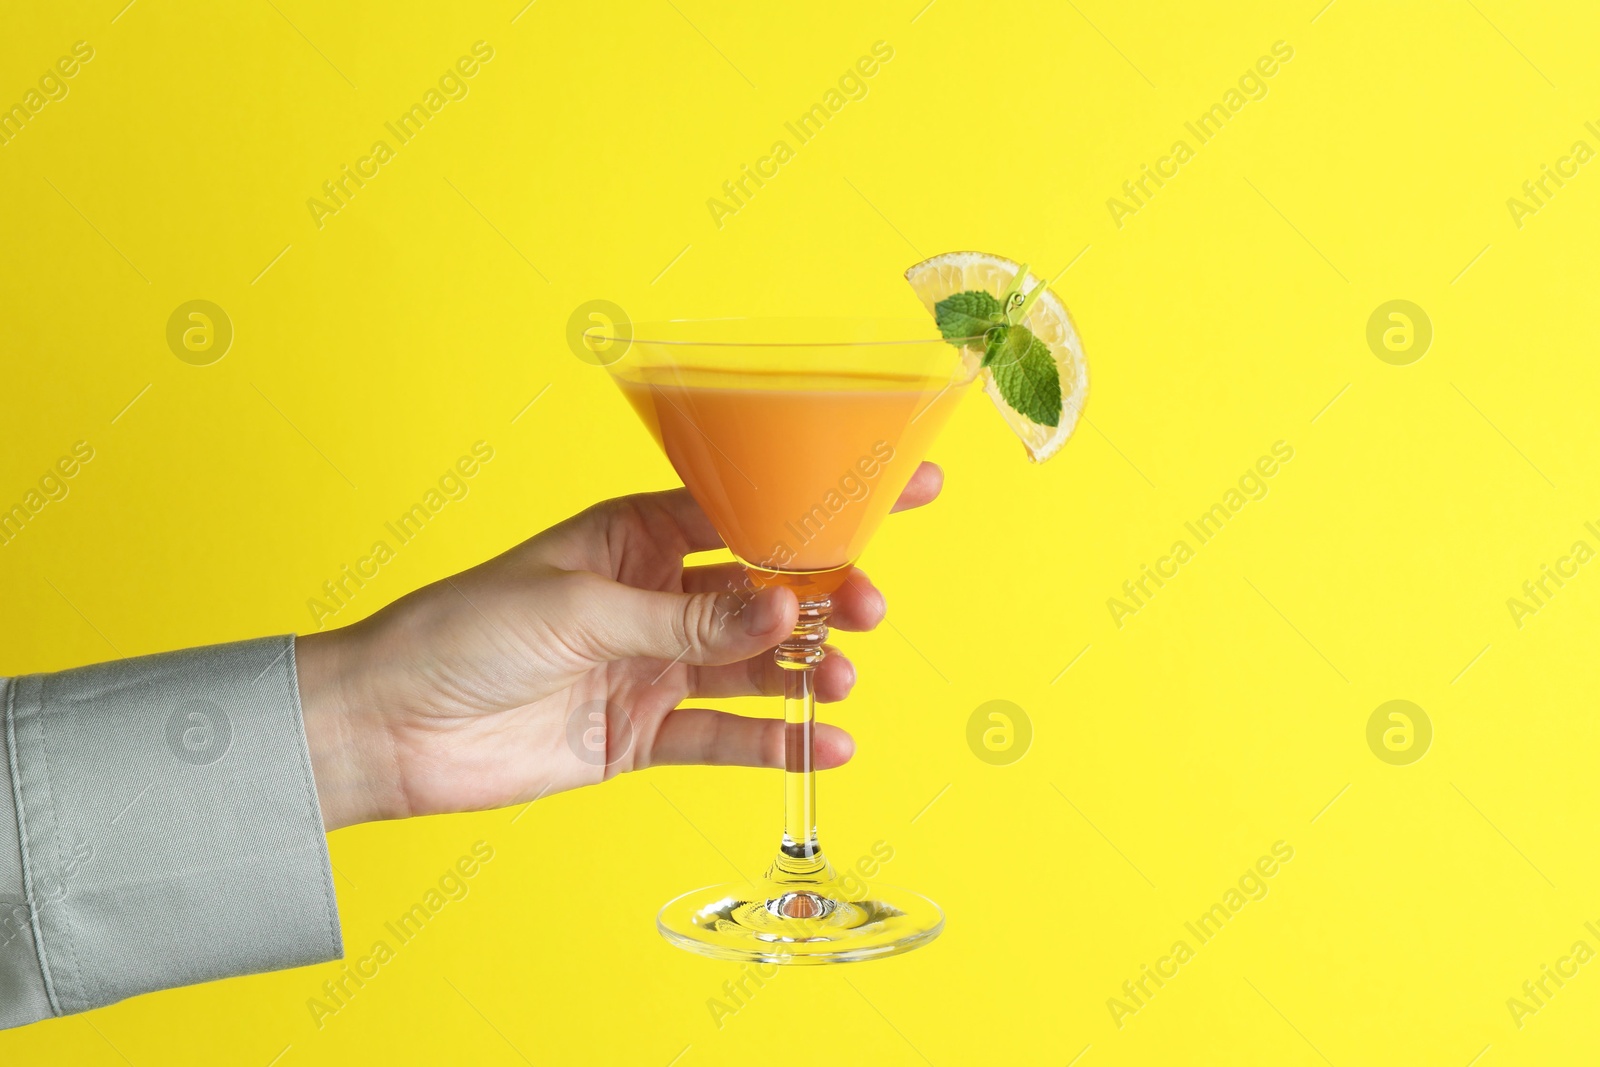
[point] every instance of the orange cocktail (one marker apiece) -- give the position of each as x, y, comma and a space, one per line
795, 470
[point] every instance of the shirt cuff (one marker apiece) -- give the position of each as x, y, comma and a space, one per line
159, 826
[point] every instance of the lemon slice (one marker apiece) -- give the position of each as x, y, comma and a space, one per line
955, 272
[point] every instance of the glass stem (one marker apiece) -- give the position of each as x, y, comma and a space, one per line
799, 655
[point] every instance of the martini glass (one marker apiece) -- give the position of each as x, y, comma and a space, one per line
796, 437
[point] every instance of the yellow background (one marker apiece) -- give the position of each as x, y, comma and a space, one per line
1222, 317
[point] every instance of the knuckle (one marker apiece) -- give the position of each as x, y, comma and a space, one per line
577, 603
581, 592
699, 621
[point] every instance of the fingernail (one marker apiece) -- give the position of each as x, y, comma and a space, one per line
762, 613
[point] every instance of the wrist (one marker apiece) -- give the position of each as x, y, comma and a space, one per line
352, 756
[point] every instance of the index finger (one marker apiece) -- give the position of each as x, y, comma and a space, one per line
923, 487
681, 508
678, 507
670, 519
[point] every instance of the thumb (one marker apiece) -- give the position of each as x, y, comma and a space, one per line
698, 628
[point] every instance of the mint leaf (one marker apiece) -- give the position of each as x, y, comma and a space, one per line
1025, 374
967, 314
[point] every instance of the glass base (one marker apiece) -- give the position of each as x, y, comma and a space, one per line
800, 920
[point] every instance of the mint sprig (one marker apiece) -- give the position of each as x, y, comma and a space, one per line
1019, 362
967, 315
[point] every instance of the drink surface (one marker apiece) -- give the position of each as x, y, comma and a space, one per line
795, 470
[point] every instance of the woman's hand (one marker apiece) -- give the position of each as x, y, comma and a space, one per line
562, 663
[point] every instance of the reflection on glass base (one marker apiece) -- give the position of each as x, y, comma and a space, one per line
799, 921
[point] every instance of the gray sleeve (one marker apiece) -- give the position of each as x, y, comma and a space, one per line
159, 826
